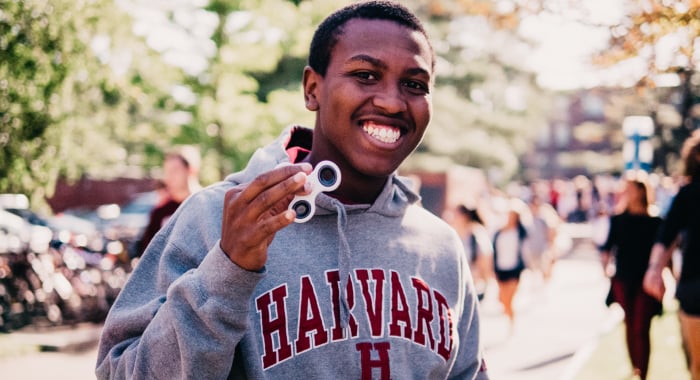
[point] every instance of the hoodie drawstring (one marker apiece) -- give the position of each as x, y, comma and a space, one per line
343, 263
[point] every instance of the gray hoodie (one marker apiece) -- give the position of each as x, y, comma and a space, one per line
375, 291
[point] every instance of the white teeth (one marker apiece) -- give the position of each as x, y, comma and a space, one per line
384, 135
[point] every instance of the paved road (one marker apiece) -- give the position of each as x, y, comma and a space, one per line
556, 324
70, 354
50, 365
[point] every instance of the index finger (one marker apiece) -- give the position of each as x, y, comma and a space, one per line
268, 179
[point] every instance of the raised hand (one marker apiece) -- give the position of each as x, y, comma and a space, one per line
254, 212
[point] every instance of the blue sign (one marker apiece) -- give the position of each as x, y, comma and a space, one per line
638, 151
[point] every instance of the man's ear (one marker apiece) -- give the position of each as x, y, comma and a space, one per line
311, 83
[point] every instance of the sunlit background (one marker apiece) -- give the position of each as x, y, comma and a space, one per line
526, 89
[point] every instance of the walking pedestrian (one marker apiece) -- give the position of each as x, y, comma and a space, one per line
509, 243
180, 179
477, 246
542, 232
372, 286
600, 225
682, 221
630, 238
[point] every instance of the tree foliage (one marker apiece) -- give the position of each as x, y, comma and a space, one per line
85, 92
32, 71
252, 88
652, 23
664, 37
66, 108
488, 107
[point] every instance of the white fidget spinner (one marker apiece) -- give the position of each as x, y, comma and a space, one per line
324, 177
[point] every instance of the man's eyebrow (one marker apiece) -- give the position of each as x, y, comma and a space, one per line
369, 59
418, 71
382, 65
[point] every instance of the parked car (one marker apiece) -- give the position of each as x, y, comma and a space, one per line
121, 226
132, 218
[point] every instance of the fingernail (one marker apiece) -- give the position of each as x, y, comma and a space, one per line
289, 215
307, 186
299, 177
305, 166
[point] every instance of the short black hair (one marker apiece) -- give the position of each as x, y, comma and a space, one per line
327, 33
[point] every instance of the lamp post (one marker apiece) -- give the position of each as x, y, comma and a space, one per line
637, 150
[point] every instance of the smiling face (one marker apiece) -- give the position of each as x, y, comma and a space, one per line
374, 103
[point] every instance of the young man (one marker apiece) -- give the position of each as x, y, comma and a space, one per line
180, 172
372, 287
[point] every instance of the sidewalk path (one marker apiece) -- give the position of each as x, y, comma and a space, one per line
556, 325
63, 353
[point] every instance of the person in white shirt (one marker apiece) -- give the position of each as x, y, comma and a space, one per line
508, 247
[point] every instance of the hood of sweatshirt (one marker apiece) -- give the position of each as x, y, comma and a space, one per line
393, 200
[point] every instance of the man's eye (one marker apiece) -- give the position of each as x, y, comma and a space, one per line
365, 75
416, 85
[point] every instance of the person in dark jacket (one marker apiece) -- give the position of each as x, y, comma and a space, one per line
683, 223
629, 243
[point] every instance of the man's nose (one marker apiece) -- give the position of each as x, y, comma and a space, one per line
391, 99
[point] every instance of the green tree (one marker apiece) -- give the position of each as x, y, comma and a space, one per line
32, 70
83, 94
488, 106
78, 93
663, 36
251, 89
252, 86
